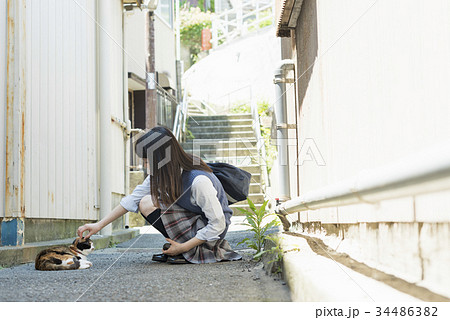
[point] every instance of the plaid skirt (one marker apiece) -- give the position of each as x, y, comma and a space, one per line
182, 225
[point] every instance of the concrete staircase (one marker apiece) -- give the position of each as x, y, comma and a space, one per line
230, 139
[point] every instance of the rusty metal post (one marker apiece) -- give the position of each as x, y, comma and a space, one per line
150, 90
13, 224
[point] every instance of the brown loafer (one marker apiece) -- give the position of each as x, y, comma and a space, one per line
160, 257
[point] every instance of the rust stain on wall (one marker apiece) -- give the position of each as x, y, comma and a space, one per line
23, 93
9, 103
51, 196
15, 112
22, 156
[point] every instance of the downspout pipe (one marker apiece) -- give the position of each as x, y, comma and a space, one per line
106, 50
126, 133
281, 73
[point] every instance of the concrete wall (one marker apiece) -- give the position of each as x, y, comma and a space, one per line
371, 88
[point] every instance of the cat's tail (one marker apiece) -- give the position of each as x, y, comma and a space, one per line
56, 262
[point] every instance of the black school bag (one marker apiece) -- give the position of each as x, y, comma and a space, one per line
235, 181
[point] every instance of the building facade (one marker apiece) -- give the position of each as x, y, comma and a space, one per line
66, 80
369, 93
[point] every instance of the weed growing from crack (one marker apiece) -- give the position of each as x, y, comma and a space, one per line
254, 218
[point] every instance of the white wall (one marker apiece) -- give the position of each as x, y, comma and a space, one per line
61, 110
136, 49
380, 92
136, 45
2, 103
165, 54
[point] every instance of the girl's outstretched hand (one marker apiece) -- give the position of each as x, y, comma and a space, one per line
93, 228
175, 248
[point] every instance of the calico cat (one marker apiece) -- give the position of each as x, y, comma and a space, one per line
65, 257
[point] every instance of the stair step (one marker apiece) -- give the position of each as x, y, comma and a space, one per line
223, 152
207, 122
196, 113
252, 168
224, 117
209, 129
256, 197
235, 161
224, 135
256, 178
255, 188
203, 144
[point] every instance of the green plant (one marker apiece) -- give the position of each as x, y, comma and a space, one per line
265, 20
193, 21
113, 244
240, 107
255, 219
276, 252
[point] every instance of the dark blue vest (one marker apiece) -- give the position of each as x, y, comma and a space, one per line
185, 200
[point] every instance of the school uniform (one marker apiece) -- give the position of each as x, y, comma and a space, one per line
201, 211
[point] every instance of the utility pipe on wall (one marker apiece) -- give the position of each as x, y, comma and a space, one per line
281, 78
150, 88
126, 135
424, 172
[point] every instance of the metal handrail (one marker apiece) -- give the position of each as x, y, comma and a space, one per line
179, 124
424, 172
260, 145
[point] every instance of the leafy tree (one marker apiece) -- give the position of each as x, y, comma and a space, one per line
193, 21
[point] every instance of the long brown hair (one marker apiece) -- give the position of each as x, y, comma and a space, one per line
166, 159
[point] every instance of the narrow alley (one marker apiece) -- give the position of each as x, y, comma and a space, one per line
310, 137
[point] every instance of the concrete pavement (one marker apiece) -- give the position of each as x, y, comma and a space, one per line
127, 273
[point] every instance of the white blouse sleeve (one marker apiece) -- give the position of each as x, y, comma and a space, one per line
131, 202
204, 195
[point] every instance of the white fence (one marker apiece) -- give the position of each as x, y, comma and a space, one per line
248, 16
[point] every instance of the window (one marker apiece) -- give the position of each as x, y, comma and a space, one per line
165, 11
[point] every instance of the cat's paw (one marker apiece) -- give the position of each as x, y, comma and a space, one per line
86, 265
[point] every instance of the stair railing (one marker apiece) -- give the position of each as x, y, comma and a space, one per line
260, 145
240, 20
210, 109
179, 124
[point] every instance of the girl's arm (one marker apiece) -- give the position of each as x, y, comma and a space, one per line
128, 203
93, 228
131, 202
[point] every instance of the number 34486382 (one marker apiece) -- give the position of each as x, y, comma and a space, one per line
410, 311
